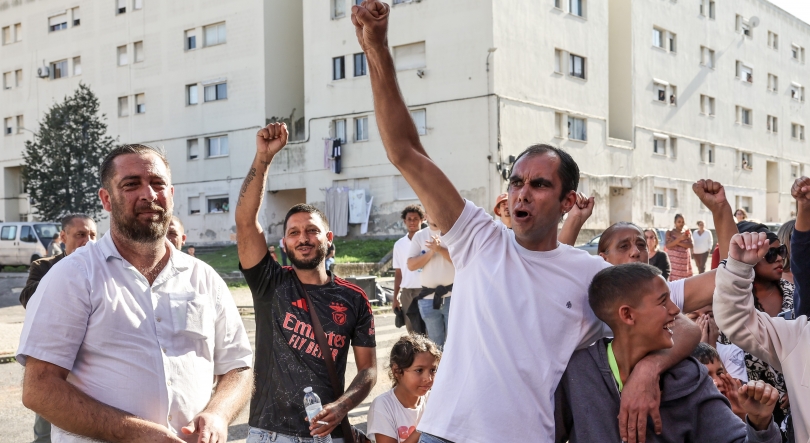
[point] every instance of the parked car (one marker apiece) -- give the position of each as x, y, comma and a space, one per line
23, 242
592, 245
773, 227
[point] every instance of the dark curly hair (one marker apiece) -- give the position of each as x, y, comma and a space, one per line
417, 209
404, 352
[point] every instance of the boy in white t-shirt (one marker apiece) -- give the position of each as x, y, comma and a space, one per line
407, 283
394, 415
523, 308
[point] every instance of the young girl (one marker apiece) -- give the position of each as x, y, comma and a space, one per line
394, 415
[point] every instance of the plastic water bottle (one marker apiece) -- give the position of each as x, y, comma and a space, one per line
312, 404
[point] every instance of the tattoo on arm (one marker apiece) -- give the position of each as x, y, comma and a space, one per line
251, 175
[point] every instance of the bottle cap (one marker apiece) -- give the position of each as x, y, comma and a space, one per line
308, 389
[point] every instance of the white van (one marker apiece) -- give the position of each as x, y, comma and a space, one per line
23, 242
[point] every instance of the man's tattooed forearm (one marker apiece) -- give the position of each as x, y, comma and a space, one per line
251, 175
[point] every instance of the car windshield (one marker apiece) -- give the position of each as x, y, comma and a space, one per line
45, 232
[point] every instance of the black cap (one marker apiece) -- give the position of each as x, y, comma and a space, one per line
749, 226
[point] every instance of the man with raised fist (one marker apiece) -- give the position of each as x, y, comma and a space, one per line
510, 343
288, 356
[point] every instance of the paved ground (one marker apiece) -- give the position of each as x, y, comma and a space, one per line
17, 422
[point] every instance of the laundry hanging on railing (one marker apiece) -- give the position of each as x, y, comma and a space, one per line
337, 209
336, 153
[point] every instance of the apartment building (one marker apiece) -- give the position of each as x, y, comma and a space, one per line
646, 95
198, 79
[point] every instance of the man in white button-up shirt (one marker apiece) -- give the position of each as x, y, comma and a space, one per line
124, 337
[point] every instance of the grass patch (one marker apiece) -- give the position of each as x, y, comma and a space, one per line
362, 251
348, 251
15, 268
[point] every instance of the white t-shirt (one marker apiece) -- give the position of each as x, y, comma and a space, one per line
733, 359
438, 271
702, 243
676, 292
387, 416
499, 373
402, 249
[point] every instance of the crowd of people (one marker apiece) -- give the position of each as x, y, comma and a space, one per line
130, 339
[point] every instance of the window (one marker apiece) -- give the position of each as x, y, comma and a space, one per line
672, 39
7, 35
706, 105
57, 22
558, 4
673, 95
660, 88
77, 18
359, 64
797, 131
338, 68
215, 92
27, 235
660, 144
191, 39
59, 69
746, 161
419, 117
339, 8
558, 124
361, 129
191, 95
122, 55
18, 77
707, 153
340, 129
658, 38
18, 34
773, 124
744, 27
711, 9
77, 65
7, 128
794, 171
8, 233
577, 129
707, 8
20, 124
123, 106
8, 80
672, 197
577, 7
218, 205
707, 57
744, 72
137, 4
743, 115
797, 92
193, 205
216, 146
558, 60
659, 198
773, 40
410, 56
214, 34
577, 66
140, 103
137, 49
120, 6
773, 83
797, 52
193, 147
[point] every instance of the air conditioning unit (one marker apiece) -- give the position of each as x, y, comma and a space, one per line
44, 72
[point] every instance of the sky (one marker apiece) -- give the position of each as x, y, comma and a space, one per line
799, 8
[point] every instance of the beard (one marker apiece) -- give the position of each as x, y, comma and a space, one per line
131, 228
299, 263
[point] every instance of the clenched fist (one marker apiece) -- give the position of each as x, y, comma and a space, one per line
710, 193
370, 20
749, 247
271, 139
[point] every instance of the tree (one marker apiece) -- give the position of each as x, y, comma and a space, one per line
62, 164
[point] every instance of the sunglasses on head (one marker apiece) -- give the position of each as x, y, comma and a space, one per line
781, 251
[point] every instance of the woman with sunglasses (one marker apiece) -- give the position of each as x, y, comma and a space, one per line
772, 295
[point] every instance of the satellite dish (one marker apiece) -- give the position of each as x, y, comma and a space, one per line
754, 21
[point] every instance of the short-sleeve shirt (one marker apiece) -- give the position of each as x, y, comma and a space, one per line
733, 360
387, 416
438, 271
410, 279
151, 350
499, 373
288, 358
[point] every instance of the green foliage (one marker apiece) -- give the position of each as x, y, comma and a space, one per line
223, 260
62, 164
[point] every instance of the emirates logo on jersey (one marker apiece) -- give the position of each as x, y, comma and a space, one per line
338, 313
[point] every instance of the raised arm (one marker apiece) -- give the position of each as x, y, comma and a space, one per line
698, 290
47, 392
800, 247
577, 216
397, 129
250, 242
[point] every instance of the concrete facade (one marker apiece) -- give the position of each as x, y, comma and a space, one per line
491, 77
